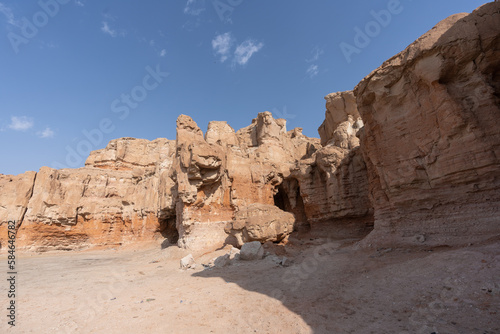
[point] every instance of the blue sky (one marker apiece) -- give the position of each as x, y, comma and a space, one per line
78, 73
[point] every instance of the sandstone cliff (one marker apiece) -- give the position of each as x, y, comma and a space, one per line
199, 191
114, 200
431, 139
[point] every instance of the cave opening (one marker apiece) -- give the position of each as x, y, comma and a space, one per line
168, 230
288, 198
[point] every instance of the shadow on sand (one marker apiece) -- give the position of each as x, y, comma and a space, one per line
312, 285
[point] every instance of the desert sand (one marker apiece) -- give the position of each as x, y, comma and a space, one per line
329, 287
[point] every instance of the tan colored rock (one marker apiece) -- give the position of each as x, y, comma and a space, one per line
202, 207
73, 209
250, 165
190, 189
260, 222
341, 108
221, 133
15, 193
131, 153
431, 139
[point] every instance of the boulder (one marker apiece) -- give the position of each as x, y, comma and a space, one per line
260, 222
252, 251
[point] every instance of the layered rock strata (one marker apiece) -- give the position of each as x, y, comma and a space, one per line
431, 139
200, 191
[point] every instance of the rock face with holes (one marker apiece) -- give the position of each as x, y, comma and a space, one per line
222, 174
431, 139
199, 191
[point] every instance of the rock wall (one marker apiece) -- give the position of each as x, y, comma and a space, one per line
122, 196
199, 191
72, 209
431, 139
15, 193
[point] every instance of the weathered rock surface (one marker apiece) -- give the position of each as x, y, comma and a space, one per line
15, 193
431, 139
260, 222
341, 108
200, 192
252, 251
123, 196
132, 153
88, 207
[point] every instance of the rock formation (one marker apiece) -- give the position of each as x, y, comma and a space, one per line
342, 120
199, 191
15, 194
431, 138
114, 200
412, 152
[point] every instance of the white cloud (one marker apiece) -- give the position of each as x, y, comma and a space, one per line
315, 54
194, 7
222, 45
312, 71
22, 123
79, 3
163, 53
47, 133
7, 12
107, 30
245, 50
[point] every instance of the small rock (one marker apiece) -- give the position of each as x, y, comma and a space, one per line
274, 259
234, 254
188, 262
252, 251
285, 262
420, 238
222, 261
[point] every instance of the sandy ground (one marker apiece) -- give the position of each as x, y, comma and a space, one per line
328, 288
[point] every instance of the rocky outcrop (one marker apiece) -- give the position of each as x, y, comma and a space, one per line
332, 184
431, 139
200, 191
220, 175
132, 153
342, 120
123, 196
15, 193
202, 207
72, 209
260, 222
